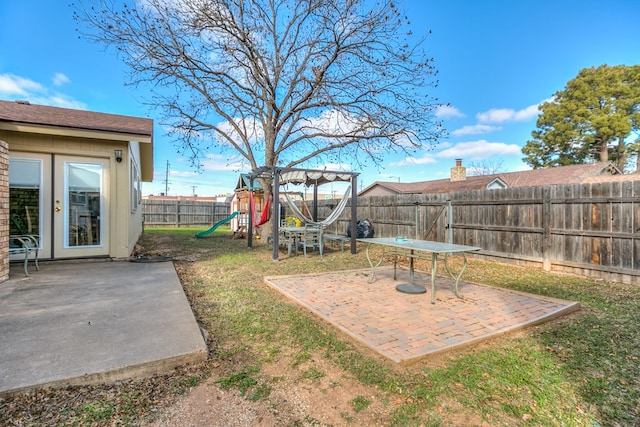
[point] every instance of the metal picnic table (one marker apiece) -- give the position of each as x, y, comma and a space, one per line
398, 246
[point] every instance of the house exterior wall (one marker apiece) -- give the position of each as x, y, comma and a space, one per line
4, 211
125, 226
133, 189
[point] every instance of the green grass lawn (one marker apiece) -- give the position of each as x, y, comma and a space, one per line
583, 369
580, 370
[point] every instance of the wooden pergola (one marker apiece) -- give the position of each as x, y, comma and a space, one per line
308, 177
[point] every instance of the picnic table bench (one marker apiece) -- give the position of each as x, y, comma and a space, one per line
26, 244
337, 238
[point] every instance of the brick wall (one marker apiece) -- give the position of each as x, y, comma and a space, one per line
459, 173
4, 211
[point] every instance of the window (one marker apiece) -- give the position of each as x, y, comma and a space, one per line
25, 181
136, 193
83, 204
497, 184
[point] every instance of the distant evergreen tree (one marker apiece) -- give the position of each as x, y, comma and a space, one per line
596, 117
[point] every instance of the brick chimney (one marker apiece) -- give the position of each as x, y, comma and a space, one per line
459, 173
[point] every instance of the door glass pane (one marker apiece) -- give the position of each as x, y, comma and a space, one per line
84, 202
25, 181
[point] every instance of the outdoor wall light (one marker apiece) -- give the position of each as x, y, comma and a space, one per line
118, 154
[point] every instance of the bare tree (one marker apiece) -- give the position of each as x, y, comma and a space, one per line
486, 167
281, 82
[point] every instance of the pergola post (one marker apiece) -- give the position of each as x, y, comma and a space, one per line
315, 201
275, 218
250, 224
354, 212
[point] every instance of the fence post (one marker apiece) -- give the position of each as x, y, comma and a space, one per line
417, 204
450, 222
546, 228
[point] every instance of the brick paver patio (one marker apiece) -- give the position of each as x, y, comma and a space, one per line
406, 327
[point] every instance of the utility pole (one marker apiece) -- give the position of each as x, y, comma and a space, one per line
166, 180
193, 190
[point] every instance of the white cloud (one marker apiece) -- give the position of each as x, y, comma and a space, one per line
501, 115
480, 149
447, 111
60, 79
12, 85
337, 167
415, 161
528, 113
253, 130
331, 121
220, 163
58, 100
475, 130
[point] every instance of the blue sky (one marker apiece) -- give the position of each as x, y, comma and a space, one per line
497, 60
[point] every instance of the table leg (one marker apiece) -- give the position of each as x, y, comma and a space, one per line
411, 288
395, 264
456, 278
373, 267
434, 267
411, 268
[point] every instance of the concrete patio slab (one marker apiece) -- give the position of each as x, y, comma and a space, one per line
407, 327
92, 322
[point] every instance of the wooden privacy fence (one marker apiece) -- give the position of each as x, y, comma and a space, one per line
586, 229
183, 213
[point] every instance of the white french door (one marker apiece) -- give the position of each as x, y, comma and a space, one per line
80, 207
63, 200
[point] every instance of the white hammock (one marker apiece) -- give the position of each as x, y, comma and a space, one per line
325, 222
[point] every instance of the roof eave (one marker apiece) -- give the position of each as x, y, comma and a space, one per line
75, 132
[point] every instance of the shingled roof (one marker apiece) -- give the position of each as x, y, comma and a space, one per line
536, 177
20, 116
25, 113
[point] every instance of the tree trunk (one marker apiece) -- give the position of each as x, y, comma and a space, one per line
604, 152
622, 156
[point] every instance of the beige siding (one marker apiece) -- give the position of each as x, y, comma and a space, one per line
135, 212
377, 191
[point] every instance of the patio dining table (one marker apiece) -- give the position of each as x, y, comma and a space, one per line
291, 236
294, 236
421, 249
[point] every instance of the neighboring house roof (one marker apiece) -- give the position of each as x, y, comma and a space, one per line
612, 178
529, 178
559, 175
31, 118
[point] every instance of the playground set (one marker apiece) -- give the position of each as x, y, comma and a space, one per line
246, 198
251, 209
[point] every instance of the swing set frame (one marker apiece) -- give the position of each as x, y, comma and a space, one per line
309, 177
